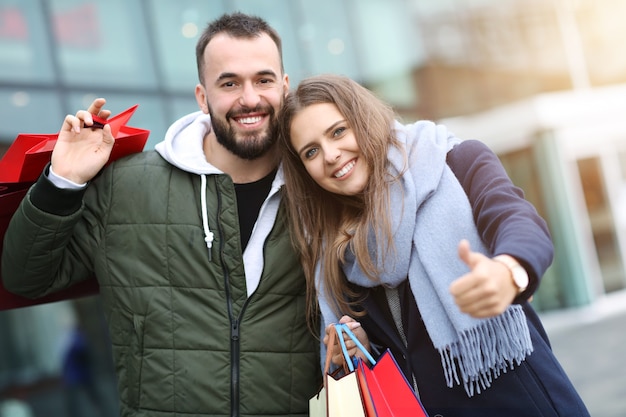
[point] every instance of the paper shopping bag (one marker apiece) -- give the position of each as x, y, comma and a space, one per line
385, 390
11, 195
29, 153
20, 167
344, 396
340, 396
317, 404
26, 157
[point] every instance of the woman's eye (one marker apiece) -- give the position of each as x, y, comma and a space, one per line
310, 153
338, 131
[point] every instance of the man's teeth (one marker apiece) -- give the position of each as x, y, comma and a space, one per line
249, 120
345, 169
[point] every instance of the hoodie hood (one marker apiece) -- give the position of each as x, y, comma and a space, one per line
182, 146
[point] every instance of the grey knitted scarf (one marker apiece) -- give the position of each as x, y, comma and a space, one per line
430, 215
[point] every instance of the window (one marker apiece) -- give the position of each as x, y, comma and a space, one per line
102, 44
25, 54
602, 223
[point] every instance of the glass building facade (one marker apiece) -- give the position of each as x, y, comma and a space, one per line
57, 55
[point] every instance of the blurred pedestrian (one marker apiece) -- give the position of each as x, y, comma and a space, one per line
80, 387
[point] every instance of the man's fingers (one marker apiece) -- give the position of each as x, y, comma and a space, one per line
86, 117
71, 123
107, 135
96, 107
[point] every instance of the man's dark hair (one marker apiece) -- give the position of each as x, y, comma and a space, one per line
237, 25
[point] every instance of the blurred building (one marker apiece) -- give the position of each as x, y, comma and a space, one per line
540, 81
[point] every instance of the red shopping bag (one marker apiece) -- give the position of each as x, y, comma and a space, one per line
385, 390
29, 153
20, 167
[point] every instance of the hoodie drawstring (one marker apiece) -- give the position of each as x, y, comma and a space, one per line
208, 235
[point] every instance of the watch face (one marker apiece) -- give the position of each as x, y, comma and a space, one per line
519, 274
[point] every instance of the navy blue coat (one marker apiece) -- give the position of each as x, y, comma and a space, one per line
537, 387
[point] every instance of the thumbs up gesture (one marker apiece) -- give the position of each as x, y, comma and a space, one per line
487, 289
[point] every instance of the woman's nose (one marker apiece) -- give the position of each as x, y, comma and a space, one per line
332, 154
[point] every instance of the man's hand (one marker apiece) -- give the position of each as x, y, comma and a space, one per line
487, 290
80, 151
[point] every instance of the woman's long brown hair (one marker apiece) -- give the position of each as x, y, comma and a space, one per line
324, 224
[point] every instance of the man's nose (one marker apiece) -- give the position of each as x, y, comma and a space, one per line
249, 96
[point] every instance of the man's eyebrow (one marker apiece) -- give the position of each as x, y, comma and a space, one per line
229, 75
225, 76
268, 72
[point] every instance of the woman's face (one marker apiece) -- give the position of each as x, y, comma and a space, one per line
328, 149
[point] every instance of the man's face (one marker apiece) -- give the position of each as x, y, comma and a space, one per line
243, 92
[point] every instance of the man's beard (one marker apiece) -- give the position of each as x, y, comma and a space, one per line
251, 145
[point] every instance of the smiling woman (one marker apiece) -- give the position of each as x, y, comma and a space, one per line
404, 227
328, 149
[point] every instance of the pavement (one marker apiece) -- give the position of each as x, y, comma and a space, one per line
590, 343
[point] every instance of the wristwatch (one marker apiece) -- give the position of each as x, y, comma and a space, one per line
518, 273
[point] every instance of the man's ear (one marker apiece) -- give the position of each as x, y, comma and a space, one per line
201, 98
285, 85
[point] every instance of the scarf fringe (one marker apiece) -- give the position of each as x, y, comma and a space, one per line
484, 352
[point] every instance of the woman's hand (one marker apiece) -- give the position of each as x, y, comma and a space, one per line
487, 290
355, 327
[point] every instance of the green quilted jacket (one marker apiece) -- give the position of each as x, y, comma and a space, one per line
187, 338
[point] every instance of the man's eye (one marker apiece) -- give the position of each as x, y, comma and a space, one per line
228, 84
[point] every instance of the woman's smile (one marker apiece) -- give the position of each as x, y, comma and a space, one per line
346, 169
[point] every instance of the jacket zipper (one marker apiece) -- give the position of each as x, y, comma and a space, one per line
234, 322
